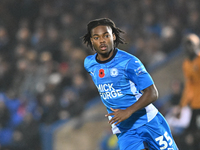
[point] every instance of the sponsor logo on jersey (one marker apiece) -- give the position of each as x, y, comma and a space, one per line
107, 91
140, 70
114, 72
101, 73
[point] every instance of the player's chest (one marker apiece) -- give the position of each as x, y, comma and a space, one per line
192, 67
107, 74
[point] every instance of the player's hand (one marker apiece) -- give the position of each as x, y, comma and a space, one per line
119, 115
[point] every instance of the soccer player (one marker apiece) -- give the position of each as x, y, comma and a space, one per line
191, 91
126, 89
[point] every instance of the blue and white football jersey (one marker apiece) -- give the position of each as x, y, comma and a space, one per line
120, 81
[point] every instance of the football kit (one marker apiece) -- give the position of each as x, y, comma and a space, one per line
120, 81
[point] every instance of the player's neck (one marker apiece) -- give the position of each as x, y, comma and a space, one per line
107, 59
104, 57
192, 56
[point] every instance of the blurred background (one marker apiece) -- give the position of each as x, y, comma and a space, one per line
47, 99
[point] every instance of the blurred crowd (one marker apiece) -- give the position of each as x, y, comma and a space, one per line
42, 78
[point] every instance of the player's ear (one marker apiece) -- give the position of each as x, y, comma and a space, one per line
91, 41
92, 44
114, 37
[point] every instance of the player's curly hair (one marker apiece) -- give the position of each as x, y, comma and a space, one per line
103, 21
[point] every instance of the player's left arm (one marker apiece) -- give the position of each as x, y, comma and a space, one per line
150, 94
137, 73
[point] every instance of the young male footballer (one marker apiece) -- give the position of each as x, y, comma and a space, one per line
126, 89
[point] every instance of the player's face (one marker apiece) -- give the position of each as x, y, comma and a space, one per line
190, 48
102, 40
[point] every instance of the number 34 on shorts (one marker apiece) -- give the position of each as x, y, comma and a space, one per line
164, 143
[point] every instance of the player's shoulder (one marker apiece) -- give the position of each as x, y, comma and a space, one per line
89, 60
131, 61
126, 55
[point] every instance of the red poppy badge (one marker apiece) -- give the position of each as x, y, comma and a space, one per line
101, 73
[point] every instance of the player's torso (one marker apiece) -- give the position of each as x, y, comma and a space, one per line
112, 82
192, 70
117, 89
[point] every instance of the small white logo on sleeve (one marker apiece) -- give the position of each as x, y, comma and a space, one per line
114, 72
92, 73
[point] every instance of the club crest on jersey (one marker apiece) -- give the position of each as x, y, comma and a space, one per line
101, 73
114, 72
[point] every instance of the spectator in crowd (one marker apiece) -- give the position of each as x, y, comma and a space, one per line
71, 104
26, 134
4, 114
179, 124
49, 109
